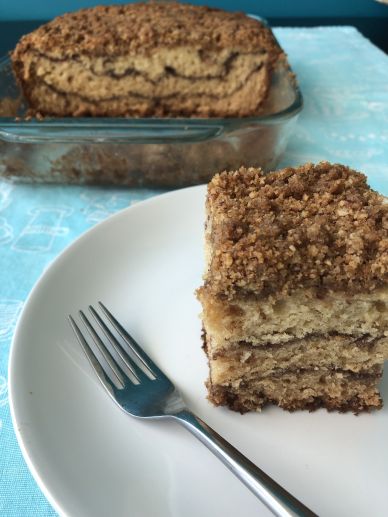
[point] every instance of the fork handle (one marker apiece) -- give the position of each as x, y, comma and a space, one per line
276, 498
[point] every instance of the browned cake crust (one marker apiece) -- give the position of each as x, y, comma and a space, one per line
141, 27
316, 226
235, 400
148, 59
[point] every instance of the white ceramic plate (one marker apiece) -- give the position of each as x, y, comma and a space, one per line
90, 459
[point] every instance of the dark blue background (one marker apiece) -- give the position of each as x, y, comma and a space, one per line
18, 17
46, 9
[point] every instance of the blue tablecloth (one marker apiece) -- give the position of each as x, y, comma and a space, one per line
344, 80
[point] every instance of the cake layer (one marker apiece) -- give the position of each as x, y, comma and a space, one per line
330, 352
310, 390
277, 320
170, 82
153, 59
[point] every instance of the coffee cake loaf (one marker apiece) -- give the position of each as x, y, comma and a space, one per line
295, 297
147, 59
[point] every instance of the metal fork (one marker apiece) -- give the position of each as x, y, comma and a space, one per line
141, 389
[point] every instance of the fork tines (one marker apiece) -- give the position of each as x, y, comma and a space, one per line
120, 358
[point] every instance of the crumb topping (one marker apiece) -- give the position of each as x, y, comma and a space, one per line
316, 226
141, 27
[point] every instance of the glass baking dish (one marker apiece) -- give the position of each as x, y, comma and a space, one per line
141, 152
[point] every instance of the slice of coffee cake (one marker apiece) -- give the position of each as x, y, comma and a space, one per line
295, 298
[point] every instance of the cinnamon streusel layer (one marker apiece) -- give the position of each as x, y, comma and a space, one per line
319, 227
